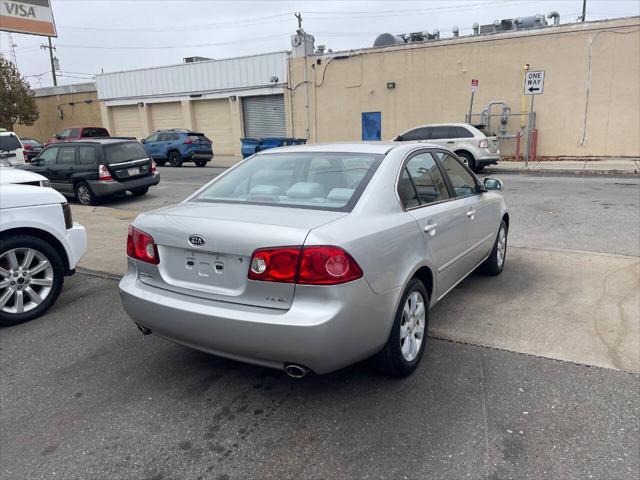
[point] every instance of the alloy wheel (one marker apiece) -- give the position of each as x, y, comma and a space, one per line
84, 196
412, 326
26, 280
502, 246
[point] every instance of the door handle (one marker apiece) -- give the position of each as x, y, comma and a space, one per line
471, 214
430, 228
451, 141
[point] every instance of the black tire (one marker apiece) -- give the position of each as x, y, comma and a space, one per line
45, 249
139, 191
479, 168
493, 265
391, 360
84, 194
468, 159
175, 160
160, 163
200, 163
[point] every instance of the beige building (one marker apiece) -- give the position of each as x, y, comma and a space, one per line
61, 107
590, 105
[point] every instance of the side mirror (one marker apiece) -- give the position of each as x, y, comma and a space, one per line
492, 184
57, 136
143, 141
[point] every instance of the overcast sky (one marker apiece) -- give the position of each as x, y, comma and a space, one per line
120, 35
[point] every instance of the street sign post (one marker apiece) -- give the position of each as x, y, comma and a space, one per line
474, 89
534, 83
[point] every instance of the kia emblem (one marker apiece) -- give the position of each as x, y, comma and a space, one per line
197, 240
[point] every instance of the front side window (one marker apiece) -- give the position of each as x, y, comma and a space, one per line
314, 180
73, 133
124, 152
427, 179
66, 133
421, 133
66, 156
48, 156
463, 182
152, 138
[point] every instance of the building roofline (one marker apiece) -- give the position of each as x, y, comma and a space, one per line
85, 87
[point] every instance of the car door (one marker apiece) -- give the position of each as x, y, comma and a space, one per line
426, 196
439, 135
479, 214
150, 145
63, 169
45, 162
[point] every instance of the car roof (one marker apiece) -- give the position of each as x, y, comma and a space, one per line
101, 141
380, 148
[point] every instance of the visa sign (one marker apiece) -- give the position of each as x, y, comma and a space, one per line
27, 16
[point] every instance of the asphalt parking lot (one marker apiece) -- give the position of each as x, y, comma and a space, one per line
533, 374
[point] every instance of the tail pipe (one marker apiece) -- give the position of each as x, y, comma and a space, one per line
295, 371
143, 330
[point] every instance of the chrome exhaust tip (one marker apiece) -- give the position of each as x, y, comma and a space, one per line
295, 371
143, 330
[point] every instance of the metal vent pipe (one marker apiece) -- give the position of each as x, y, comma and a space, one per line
556, 17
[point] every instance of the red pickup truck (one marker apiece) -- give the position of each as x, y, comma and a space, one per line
76, 133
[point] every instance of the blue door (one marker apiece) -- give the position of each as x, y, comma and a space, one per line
371, 126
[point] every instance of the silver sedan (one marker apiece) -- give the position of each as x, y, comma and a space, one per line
311, 258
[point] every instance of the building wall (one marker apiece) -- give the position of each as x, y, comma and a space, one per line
80, 113
592, 73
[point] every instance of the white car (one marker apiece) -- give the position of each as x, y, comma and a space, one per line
15, 176
11, 149
39, 245
473, 147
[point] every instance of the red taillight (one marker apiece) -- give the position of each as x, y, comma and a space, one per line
140, 246
483, 144
104, 173
311, 265
154, 167
28, 147
275, 264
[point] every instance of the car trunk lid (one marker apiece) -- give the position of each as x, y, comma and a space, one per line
205, 249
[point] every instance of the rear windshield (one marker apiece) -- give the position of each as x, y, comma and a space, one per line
9, 142
314, 180
124, 152
198, 137
94, 132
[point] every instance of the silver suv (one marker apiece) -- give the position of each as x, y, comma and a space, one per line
472, 146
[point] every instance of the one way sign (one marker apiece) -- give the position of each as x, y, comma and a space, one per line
534, 83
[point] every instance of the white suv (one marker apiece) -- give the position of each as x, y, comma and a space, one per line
39, 246
472, 146
11, 149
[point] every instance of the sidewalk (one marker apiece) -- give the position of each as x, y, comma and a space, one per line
621, 166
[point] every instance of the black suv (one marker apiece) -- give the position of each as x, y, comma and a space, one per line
95, 168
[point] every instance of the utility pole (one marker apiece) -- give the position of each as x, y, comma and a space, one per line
584, 10
51, 48
12, 46
299, 17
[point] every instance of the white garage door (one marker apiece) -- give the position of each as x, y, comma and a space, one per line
166, 115
126, 121
264, 116
213, 118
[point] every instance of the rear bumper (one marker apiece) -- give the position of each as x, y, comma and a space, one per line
102, 189
199, 156
325, 329
488, 159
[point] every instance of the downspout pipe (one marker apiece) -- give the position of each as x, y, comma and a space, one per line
556, 17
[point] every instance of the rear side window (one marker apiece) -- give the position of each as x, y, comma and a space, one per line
427, 179
9, 142
124, 152
95, 132
438, 133
87, 155
421, 133
66, 156
314, 180
462, 132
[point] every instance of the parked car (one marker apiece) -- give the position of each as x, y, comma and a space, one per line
15, 176
97, 168
177, 146
76, 133
32, 148
39, 245
473, 147
11, 149
315, 257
